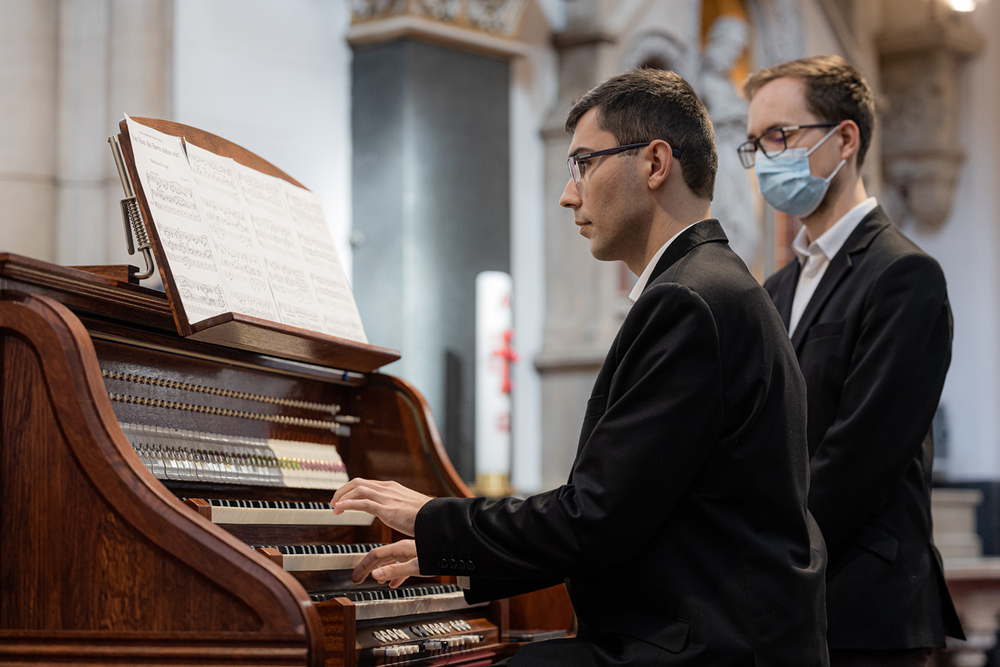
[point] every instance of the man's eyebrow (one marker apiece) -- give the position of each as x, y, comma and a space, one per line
773, 127
580, 150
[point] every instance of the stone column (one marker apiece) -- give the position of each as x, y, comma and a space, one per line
584, 305
83, 127
140, 83
29, 47
115, 57
431, 193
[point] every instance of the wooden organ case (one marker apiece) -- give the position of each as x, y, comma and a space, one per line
164, 499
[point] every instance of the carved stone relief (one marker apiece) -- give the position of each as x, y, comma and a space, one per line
495, 16
920, 70
733, 202
658, 49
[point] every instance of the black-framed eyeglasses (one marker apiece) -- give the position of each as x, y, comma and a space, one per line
772, 143
576, 169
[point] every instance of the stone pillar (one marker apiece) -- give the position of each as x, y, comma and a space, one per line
431, 197
114, 58
69, 69
140, 83
29, 47
584, 305
83, 127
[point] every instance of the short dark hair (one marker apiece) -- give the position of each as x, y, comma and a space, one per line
835, 92
648, 104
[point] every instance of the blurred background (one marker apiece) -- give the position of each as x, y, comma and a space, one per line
433, 130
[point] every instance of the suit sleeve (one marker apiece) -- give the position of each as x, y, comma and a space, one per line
661, 421
891, 391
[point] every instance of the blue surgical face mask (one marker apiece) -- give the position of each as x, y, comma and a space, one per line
786, 182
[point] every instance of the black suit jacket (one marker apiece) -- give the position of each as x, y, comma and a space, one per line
682, 533
874, 344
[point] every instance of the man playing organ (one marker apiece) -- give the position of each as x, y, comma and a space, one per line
682, 532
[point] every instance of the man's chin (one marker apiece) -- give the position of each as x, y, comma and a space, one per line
600, 252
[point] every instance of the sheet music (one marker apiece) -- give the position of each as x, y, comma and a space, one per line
340, 311
243, 241
220, 200
283, 257
169, 185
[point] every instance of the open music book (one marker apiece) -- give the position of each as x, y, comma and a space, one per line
242, 241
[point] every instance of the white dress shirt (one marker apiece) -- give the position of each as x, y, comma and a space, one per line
640, 284
817, 256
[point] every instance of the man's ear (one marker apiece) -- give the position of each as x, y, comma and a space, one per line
850, 139
661, 161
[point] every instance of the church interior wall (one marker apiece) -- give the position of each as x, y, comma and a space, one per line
274, 78
82, 198
28, 51
69, 69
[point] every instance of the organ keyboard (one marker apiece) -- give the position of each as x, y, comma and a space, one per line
276, 513
312, 557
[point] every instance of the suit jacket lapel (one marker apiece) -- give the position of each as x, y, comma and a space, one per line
701, 232
786, 292
840, 266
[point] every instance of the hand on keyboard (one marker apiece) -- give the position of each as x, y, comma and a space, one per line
393, 563
393, 503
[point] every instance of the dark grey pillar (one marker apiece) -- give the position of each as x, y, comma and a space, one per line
431, 198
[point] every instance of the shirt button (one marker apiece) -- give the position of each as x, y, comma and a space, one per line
461, 565
470, 566
443, 564
452, 564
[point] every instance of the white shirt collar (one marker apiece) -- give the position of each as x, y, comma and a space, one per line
832, 240
640, 284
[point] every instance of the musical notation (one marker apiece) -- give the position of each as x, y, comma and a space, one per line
191, 250
245, 240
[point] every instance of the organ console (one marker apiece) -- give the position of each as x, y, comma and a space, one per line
165, 499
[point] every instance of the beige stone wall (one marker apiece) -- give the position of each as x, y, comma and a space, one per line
28, 63
69, 70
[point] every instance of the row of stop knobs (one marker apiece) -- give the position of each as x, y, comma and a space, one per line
442, 644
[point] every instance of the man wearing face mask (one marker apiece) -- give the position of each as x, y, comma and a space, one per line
869, 319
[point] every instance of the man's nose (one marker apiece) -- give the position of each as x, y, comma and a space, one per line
571, 196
